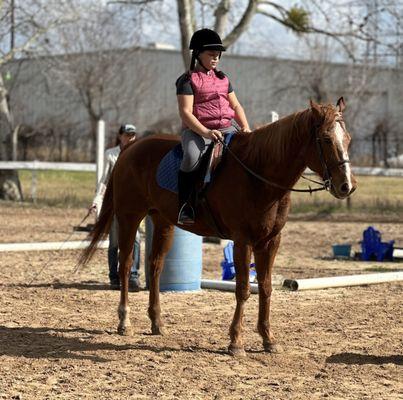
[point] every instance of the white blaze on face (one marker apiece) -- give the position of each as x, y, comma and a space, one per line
339, 133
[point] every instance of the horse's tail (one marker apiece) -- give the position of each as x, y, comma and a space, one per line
102, 226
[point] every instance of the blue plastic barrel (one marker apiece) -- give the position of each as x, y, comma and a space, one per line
183, 263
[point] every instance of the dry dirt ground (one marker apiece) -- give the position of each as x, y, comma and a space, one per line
58, 334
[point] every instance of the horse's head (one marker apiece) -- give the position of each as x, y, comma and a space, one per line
329, 155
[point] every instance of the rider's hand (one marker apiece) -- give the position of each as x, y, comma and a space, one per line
214, 134
245, 130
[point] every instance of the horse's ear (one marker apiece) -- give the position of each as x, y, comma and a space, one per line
341, 104
315, 109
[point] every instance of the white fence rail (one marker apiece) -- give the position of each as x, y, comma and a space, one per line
91, 167
35, 166
44, 165
373, 171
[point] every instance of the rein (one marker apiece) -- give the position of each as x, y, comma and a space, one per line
324, 186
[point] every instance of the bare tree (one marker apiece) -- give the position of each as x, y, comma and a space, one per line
339, 21
218, 14
24, 25
102, 64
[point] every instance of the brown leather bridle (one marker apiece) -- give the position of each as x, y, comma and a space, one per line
326, 168
327, 176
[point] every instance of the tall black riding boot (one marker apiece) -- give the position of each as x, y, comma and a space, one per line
185, 188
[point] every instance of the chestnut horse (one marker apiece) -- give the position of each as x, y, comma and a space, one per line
250, 212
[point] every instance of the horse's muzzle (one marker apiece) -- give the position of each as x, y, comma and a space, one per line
343, 190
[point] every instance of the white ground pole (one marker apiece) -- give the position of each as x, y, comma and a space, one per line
72, 245
341, 281
227, 286
398, 253
100, 149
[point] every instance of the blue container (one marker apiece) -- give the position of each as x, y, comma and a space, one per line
183, 263
341, 250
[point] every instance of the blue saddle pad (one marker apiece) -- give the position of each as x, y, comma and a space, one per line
167, 172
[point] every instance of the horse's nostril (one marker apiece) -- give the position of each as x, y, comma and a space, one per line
344, 188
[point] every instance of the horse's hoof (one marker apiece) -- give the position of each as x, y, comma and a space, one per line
272, 348
157, 330
125, 330
236, 351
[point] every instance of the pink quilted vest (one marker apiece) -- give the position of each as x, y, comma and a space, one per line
211, 106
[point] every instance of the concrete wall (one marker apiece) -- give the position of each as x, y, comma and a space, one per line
139, 87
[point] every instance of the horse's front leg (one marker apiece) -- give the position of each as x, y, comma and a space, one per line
162, 241
242, 255
264, 260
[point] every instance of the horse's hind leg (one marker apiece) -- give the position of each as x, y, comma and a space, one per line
242, 254
162, 241
128, 225
264, 260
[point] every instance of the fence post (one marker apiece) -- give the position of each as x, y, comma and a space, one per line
33, 181
100, 149
14, 142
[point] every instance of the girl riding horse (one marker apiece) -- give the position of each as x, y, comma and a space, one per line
207, 105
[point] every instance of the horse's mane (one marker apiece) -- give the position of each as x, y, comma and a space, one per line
273, 142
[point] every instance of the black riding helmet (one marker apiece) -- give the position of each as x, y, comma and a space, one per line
204, 39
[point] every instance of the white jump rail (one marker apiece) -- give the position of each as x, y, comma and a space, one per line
71, 245
227, 286
342, 281
398, 253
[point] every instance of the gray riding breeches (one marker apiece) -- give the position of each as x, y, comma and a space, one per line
194, 146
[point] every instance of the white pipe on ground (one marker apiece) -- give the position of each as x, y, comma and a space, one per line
72, 245
341, 281
397, 253
228, 286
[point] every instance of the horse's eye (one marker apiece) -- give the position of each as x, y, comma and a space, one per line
327, 140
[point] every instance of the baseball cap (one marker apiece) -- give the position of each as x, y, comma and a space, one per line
128, 129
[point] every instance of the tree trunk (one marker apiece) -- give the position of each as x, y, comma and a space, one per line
187, 27
221, 16
10, 187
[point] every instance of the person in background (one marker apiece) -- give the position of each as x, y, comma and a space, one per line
126, 134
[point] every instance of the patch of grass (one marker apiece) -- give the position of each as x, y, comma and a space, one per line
60, 188
373, 194
378, 268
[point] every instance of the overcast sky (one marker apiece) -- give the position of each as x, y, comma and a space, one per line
158, 22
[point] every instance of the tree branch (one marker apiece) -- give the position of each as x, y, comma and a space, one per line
221, 16
243, 24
